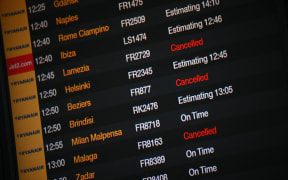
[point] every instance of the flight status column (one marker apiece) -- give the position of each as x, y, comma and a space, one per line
135, 89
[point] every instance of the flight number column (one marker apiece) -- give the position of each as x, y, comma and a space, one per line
139, 75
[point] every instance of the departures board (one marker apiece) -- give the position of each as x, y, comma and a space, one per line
147, 89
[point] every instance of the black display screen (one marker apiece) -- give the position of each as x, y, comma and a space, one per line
148, 90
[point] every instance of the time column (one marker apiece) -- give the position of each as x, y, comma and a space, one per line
46, 60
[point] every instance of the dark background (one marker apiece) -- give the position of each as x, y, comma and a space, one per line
8, 168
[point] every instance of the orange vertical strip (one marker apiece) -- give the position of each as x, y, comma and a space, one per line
23, 90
